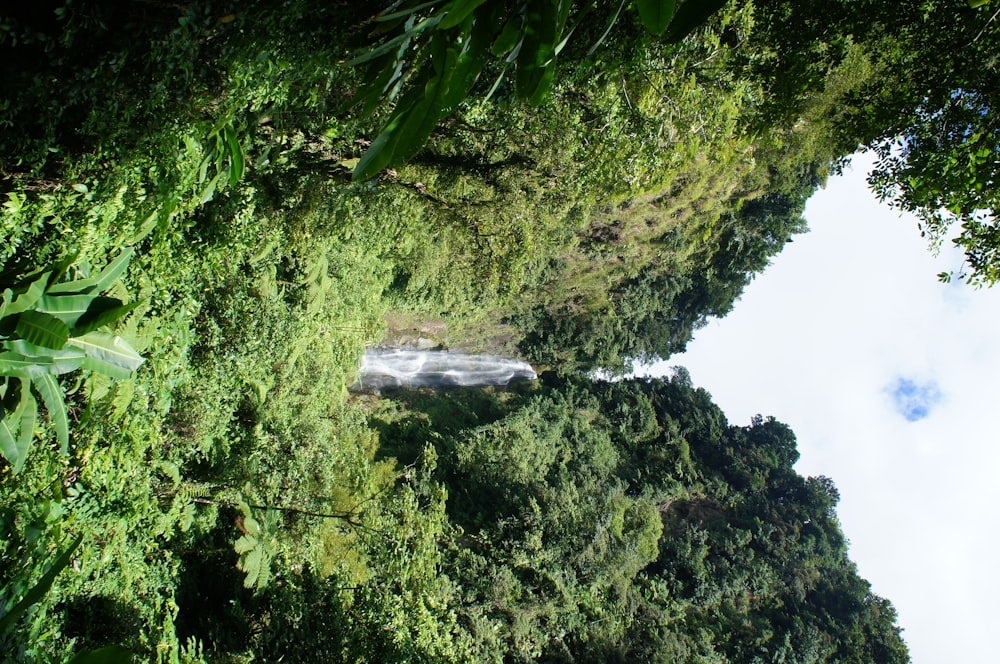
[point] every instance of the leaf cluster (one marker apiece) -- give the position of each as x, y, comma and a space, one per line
49, 327
428, 56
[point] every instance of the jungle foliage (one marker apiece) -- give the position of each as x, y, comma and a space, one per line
245, 195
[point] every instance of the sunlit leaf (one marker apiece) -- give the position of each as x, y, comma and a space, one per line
28, 414
252, 564
29, 296
245, 544
67, 308
9, 445
52, 395
113, 270
237, 161
58, 361
105, 368
108, 348
208, 193
15, 364
98, 283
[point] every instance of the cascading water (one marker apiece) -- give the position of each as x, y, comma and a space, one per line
395, 368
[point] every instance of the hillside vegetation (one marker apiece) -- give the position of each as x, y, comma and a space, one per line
193, 266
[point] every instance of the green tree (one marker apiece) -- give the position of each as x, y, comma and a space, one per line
938, 129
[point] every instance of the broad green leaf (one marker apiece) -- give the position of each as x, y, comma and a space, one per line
458, 10
29, 296
113, 270
108, 655
562, 15
390, 26
59, 269
690, 16
470, 64
42, 329
379, 153
509, 37
29, 413
208, 193
52, 395
22, 392
203, 169
145, 228
219, 152
544, 83
380, 76
7, 295
656, 14
103, 311
78, 286
67, 308
105, 368
15, 364
9, 445
108, 348
535, 60
496, 84
37, 592
421, 120
58, 361
237, 161
100, 282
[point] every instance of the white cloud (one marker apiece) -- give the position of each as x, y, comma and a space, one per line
844, 312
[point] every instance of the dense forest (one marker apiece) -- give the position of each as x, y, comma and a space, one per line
210, 209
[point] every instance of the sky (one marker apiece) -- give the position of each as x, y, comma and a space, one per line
891, 382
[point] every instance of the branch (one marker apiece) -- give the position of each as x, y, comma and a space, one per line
344, 516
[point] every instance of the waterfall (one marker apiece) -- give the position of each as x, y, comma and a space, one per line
382, 369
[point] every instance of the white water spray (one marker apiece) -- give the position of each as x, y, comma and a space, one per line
382, 369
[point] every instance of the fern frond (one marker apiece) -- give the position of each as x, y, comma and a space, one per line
245, 544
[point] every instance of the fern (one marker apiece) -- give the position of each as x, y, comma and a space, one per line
257, 548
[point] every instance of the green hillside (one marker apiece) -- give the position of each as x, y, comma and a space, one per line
211, 209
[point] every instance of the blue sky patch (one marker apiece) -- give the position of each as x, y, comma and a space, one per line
913, 400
